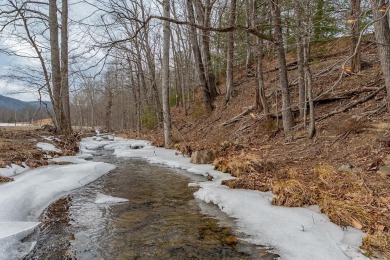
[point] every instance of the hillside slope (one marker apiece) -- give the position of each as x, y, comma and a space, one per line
343, 169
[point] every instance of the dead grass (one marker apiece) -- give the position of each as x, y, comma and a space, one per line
5, 179
379, 242
243, 163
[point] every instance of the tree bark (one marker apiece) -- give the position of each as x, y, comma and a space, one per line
165, 76
355, 32
286, 104
66, 123
300, 57
204, 16
309, 85
230, 54
382, 35
207, 100
260, 88
55, 65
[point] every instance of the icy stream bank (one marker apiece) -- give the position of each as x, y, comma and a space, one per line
294, 233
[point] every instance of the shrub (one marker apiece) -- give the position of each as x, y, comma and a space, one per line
148, 118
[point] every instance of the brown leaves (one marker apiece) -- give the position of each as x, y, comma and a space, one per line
5, 179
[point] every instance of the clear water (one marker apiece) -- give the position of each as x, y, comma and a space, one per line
162, 220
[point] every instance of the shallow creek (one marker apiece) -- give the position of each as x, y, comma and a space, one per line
161, 220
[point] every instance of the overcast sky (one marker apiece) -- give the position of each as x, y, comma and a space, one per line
13, 89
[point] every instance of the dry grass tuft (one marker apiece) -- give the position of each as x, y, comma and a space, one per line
5, 179
293, 193
379, 242
346, 212
344, 197
242, 164
252, 181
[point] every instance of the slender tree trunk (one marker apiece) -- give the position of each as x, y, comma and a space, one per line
260, 88
355, 32
249, 54
300, 54
55, 65
286, 104
230, 54
66, 124
165, 76
382, 35
309, 87
203, 12
152, 68
207, 100
110, 96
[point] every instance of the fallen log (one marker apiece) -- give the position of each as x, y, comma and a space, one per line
290, 66
351, 105
239, 116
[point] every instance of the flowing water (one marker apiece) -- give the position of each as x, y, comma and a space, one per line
161, 220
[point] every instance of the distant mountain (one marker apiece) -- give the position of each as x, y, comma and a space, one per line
16, 104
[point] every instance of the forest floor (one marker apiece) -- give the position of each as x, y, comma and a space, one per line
18, 146
343, 169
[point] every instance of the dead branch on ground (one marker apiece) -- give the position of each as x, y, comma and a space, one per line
351, 105
239, 116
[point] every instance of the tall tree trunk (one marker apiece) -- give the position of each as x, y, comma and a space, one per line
309, 85
248, 6
165, 76
55, 65
203, 12
355, 32
66, 124
152, 68
207, 100
382, 35
286, 104
110, 96
230, 54
260, 88
300, 57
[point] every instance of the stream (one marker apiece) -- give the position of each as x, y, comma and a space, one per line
161, 220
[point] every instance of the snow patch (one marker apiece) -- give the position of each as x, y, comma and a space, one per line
24, 199
13, 170
48, 147
105, 199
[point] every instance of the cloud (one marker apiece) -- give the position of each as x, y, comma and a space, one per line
17, 91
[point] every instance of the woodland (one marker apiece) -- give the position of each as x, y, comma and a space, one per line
289, 96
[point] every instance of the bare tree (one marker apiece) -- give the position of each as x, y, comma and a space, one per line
230, 54
64, 68
355, 33
260, 87
165, 75
207, 99
380, 11
300, 57
286, 103
55, 64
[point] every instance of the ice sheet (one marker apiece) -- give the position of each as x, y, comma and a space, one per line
106, 199
24, 199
